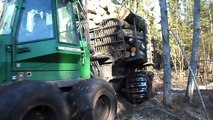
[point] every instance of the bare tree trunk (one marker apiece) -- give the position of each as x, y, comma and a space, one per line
135, 6
167, 98
195, 49
210, 18
211, 49
181, 67
179, 62
175, 60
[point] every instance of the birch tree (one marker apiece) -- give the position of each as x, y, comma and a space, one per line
195, 50
167, 98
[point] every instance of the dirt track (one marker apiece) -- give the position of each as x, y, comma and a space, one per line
153, 109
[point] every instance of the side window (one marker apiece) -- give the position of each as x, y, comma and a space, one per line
36, 22
67, 24
7, 12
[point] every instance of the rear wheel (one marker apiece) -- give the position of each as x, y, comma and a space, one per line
32, 100
93, 100
138, 87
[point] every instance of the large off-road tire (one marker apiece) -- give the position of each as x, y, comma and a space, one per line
139, 87
92, 100
32, 100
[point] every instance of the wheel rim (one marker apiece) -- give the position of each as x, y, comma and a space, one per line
39, 112
102, 108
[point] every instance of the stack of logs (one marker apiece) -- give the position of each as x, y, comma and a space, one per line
99, 10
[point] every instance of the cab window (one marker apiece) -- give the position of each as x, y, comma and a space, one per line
67, 24
36, 22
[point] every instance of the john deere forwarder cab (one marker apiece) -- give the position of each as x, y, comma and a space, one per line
45, 64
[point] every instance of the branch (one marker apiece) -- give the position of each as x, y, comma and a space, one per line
194, 115
169, 113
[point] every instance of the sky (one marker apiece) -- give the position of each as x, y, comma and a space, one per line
148, 4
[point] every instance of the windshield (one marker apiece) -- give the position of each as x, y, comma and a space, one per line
7, 12
36, 22
67, 23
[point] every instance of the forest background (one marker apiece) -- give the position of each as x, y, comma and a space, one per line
181, 21
180, 17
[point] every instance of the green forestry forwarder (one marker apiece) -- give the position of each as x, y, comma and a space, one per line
49, 70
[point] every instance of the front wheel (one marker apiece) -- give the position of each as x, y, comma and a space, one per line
93, 100
32, 100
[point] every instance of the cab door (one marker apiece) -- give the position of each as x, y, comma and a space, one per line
35, 31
